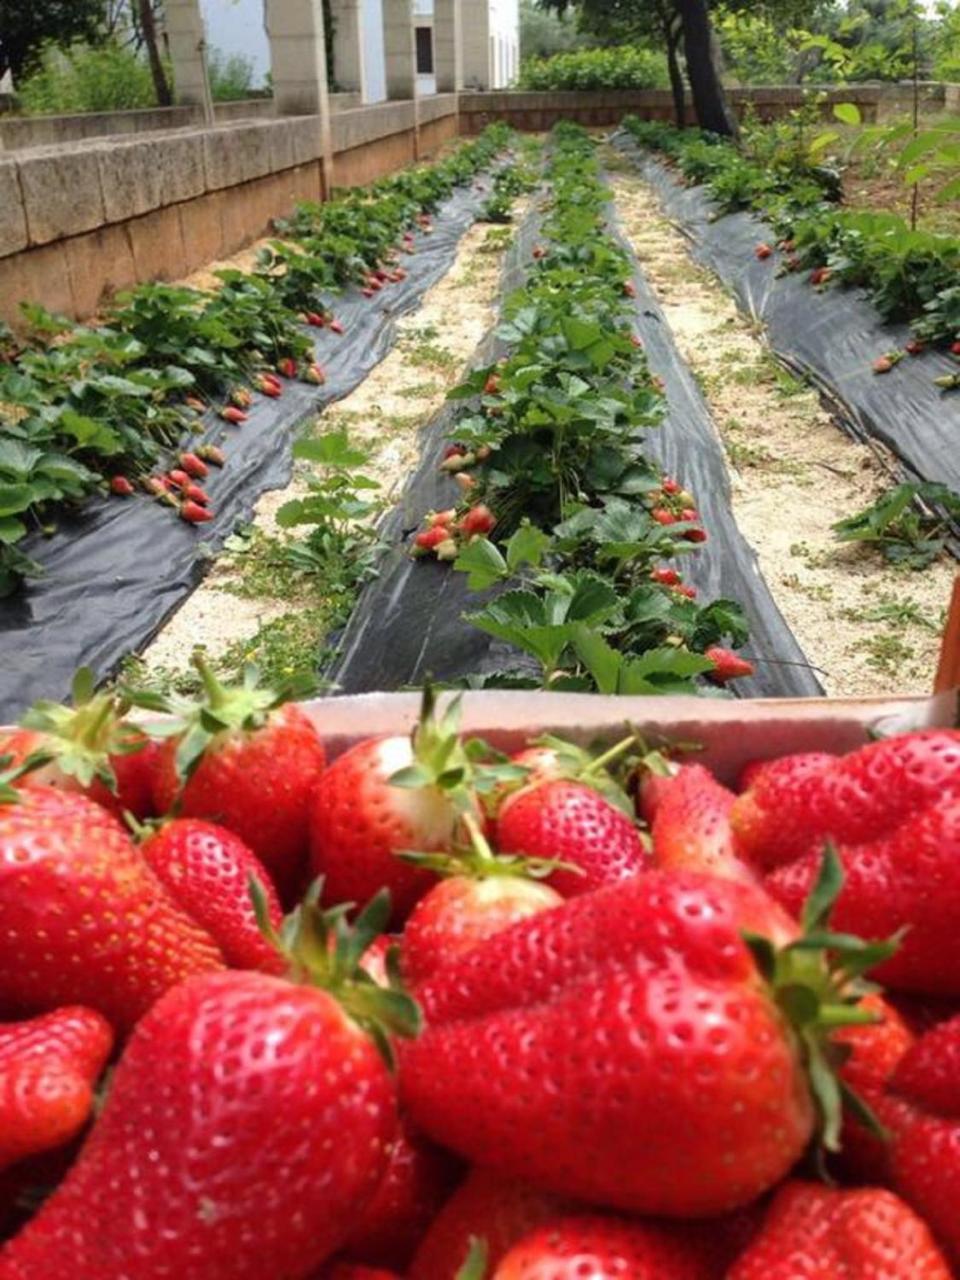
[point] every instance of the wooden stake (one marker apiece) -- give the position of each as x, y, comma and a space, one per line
948, 673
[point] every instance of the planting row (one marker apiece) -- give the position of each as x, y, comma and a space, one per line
572, 542
105, 408
116, 569
842, 338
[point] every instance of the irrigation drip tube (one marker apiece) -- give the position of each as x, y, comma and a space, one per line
408, 624
830, 337
116, 571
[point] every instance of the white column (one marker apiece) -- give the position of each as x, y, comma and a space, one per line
185, 40
448, 45
298, 64
400, 49
348, 51
475, 43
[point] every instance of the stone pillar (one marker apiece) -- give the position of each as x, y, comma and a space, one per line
298, 63
475, 45
400, 50
185, 40
448, 45
348, 53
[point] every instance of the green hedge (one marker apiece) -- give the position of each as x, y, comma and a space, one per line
622, 68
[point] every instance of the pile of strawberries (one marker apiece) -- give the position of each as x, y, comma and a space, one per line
179, 487
542, 1015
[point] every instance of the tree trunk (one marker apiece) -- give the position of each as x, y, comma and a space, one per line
148, 26
709, 99
677, 87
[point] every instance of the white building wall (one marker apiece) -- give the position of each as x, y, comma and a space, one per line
374, 60
504, 41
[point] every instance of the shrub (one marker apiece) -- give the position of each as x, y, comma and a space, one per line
83, 78
628, 67
231, 78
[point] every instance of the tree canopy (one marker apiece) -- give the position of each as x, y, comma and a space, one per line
25, 25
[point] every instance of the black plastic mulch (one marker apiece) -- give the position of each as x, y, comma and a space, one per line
829, 337
408, 624
116, 571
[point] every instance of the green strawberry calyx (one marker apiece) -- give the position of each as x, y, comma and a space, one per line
475, 1264
81, 738
462, 770
818, 983
477, 861
324, 949
221, 709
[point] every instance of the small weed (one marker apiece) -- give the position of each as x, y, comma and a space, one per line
419, 391
497, 240
902, 613
284, 648
886, 653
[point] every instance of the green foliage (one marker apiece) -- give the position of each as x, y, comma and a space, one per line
542, 33
621, 68
758, 50
86, 78
231, 78
910, 523
26, 25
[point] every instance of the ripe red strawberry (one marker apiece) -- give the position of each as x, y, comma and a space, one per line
418, 1179
178, 479
316, 318
819, 1231
573, 823
245, 758
691, 826
800, 801
955, 348
442, 517
207, 870
288, 367
335, 326
603, 1248
383, 797
662, 516
923, 1114
670, 485
627, 1016
629, 288
478, 522
461, 912
820, 275
486, 1206
233, 415
121, 487
247, 1125
763, 251
884, 363
354, 1271
194, 466
268, 387
430, 539
727, 665
194, 493
876, 1050
689, 513
690, 593
492, 384
906, 880
83, 919
193, 513
88, 747
48, 1069
212, 454
696, 535
914, 347
666, 577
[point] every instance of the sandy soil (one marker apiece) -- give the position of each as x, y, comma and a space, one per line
871, 628
385, 414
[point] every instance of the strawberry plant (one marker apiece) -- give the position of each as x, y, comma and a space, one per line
910, 523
